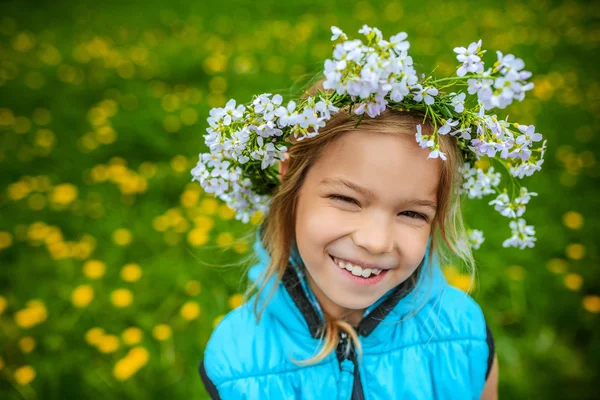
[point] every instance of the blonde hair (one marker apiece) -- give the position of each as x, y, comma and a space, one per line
277, 233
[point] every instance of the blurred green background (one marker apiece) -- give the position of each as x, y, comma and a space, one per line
114, 266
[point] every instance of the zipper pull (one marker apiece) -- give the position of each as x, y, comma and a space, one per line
342, 345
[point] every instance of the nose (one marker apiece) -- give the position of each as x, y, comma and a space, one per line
375, 235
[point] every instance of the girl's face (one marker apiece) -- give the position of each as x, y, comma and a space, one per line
387, 194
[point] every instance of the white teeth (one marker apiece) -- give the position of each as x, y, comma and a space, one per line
356, 270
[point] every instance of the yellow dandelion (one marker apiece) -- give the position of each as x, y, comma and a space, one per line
94, 269
34, 314
131, 272
575, 251
82, 296
236, 300
225, 239
191, 287
197, 237
557, 265
18, 190
256, 218
204, 222
171, 123
241, 246
592, 303
161, 332
179, 163
3, 303
132, 335
209, 206
36, 201
190, 310
573, 220
122, 237
462, 282
189, 198
64, 194
121, 297
23, 42
27, 344
139, 355
225, 212
6, 240
94, 336
573, 282
24, 375
108, 344
217, 320
124, 369
189, 116
516, 272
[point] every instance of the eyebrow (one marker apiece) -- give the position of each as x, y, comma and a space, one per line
337, 182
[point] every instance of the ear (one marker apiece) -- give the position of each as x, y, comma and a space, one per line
283, 165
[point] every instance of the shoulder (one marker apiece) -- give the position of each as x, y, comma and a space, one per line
230, 344
460, 313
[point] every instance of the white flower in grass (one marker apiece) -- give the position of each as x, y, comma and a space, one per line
522, 235
447, 127
221, 169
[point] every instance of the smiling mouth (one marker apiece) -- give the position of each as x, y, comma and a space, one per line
357, 270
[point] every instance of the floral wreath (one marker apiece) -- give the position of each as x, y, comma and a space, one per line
247, 141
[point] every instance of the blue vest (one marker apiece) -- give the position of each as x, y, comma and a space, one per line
440, 349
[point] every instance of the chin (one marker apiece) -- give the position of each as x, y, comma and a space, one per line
353, 302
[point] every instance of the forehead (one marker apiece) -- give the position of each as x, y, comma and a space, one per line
387, 164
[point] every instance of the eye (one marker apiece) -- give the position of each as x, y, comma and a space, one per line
415, 215
343, 198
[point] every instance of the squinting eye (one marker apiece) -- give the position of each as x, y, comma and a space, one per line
415, 215
343, 198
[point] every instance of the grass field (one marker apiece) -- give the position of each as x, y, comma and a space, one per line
115, 267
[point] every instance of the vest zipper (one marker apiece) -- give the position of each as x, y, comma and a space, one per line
357, 390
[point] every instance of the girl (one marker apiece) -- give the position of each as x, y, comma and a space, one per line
350, 299
361, 208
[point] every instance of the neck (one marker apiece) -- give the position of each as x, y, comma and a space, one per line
353, 317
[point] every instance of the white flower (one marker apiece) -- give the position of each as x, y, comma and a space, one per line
529, 136
232, 113
398, 42
503, 205
458, 101
337, 32
287, 115
470, 59
425, 94
447, 127
435, 153
522, 235
423, 140
476, 238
